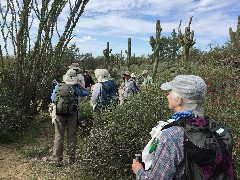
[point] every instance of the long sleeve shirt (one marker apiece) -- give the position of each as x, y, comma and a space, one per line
96, 95
127, 87
168, 159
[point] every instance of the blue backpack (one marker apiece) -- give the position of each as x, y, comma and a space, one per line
109, 93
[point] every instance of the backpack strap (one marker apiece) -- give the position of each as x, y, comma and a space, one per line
181, 122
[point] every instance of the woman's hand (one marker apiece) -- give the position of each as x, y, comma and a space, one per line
136, 166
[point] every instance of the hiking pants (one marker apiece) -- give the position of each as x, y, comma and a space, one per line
61, 124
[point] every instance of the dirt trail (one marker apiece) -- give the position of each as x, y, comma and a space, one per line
11, 164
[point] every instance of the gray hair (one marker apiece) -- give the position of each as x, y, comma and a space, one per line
197, 106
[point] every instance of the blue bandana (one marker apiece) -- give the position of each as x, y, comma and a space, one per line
183, 114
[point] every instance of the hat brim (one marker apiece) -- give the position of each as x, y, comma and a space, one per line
72, 67
166, 86
70, 81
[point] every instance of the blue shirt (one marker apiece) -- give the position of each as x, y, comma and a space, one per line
54, 92
77, 92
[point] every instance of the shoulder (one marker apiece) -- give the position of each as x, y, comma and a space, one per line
172, 134
97, 85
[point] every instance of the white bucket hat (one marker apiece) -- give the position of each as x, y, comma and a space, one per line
70, 77
102, 75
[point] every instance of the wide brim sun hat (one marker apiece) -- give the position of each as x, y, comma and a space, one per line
133, 75
127, 73
74, 66
70, 77
102, 75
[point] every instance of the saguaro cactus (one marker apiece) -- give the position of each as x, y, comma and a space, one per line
174, 44
128, 52
106, 53
155, 44
186, 39
235, 36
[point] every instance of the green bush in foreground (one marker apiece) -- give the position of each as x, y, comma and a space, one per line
120, 133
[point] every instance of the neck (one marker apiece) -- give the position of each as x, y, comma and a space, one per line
179, 109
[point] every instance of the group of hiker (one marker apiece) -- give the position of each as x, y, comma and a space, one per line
187, 146
65, 100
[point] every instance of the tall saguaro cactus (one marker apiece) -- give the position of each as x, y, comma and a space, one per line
155, 44
128, 52
174, 44
106, 53
186, 39
235, 36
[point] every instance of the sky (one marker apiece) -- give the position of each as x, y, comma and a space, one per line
114, 21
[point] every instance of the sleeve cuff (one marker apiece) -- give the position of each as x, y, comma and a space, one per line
140, 174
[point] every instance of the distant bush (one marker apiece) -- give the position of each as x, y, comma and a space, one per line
120, 133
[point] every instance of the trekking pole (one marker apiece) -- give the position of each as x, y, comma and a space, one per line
138, 158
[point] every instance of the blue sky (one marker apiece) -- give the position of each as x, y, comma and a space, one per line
114, 21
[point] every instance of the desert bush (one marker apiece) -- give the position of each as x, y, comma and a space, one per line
121, 132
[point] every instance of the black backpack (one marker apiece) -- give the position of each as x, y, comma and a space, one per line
207, 149
66, 100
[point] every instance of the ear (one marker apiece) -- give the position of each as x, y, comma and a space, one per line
180, 101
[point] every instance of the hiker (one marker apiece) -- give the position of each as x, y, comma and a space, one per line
135, 83
88, 79
64, 110
127, 86
104, 92
147, 79
165, 155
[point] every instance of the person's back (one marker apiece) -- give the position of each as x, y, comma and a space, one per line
64, 111
104, 91
66, 100
109, 92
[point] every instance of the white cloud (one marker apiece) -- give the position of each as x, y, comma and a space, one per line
83, 39
116, 20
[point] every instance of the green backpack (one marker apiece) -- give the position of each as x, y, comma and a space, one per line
65, 100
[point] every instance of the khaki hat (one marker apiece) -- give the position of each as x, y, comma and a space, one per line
133, 75
127, 73
144, 71
74, 66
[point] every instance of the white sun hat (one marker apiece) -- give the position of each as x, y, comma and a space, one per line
102, 75
70, 77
